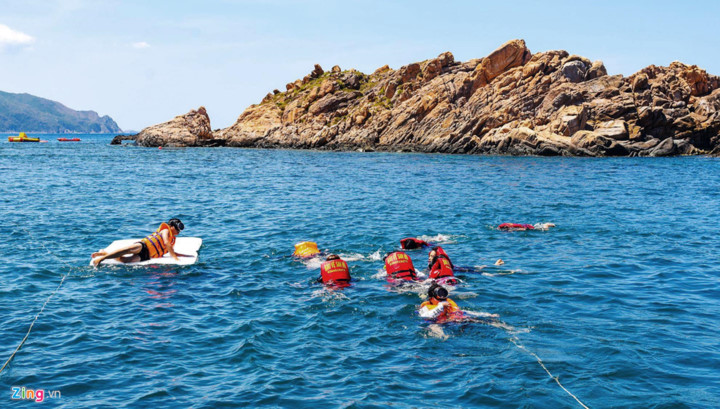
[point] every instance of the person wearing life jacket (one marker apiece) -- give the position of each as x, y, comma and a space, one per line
411, 243
334, 271
156, 245
399, 266
439, 307
440, 266
521, 227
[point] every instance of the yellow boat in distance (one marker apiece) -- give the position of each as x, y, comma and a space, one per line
22, 138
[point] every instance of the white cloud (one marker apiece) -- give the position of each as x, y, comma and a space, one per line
8, 36
141, 45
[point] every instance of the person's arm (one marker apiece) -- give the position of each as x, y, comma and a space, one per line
429, 313
169, 245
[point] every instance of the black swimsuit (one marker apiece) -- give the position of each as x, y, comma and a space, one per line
144, 253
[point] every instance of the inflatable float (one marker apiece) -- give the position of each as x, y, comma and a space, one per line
306, 249
183, 245
68, 139
22, 138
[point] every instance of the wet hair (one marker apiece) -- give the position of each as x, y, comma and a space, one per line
332, 257
437, 291
176, 223
434, 258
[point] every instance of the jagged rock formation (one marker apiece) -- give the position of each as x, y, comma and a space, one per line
191, 129
510, 102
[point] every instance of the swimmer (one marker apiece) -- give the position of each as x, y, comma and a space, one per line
523, 227
439, 307
399, 266
334, 272
440, 266
155, 245
411, 243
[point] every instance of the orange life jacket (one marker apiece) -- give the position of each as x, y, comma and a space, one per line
442, 266
450, 312
335, 271
399, 266
155, 244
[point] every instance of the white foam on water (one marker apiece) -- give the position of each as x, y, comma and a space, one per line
440, 238
329, 294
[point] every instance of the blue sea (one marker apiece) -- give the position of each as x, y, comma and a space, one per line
616, 307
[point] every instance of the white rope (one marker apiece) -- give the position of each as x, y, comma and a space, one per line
31, 325
62, 280
513, 340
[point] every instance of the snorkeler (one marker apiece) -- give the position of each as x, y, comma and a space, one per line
523, 227
334, 271
399, 266
440, 266
411, 243
156, 245
439, 307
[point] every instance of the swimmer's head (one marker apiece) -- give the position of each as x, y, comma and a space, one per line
177, 224
332, 257
438, 292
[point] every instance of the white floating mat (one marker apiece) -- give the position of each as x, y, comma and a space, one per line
188, 246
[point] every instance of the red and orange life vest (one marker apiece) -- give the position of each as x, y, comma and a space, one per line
399, 266
410, 243
335, 271
442, 266
515, 226
155, 244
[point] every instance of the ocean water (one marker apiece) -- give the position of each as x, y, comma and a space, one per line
619, 302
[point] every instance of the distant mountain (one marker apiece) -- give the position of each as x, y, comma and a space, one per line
28, 113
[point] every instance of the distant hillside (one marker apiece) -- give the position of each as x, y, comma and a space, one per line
28, 113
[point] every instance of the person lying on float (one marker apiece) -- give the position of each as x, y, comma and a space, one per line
155, 245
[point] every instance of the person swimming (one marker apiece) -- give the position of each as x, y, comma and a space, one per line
334, 272
156, 245
440, 266
523, 227
411, 243
439, 308
399, 266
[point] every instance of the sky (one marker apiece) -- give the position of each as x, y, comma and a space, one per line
145, 62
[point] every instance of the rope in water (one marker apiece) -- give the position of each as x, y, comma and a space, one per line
31, 325
62, 280
555, 378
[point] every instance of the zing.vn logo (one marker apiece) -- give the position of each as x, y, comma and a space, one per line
38, 395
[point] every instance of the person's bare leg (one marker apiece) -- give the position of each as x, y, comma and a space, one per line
129, 258
98, 253
133, 248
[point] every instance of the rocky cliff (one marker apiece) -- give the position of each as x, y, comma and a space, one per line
510, 102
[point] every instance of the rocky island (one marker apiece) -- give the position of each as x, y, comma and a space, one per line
511, 102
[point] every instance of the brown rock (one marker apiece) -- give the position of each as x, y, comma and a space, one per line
615, 129
191, 129
336, 69
597, 70
510, 102
511, 54
317, 72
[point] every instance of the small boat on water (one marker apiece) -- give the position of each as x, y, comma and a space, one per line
22, 138
68, 139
